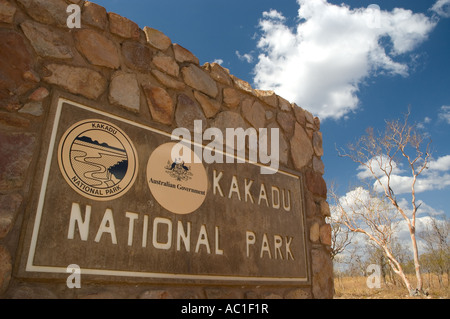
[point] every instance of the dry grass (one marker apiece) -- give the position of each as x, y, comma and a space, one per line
356, 288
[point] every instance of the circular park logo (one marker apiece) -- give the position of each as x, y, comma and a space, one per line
178, 184
97, 159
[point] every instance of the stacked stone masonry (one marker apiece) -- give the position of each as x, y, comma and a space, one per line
138, 74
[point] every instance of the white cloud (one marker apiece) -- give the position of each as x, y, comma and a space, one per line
436, 176
322, 62
218, 61
442, 8
444, 114
244, 57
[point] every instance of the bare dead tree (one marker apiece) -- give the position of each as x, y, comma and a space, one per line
381, 156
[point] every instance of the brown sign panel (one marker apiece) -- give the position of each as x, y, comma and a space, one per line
114, 202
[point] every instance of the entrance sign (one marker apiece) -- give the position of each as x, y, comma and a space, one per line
113, 201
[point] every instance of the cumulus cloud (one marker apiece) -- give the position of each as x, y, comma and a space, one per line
321, 63
442, 8
435, 177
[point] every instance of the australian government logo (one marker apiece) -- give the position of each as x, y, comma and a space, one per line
97, 159
177, 186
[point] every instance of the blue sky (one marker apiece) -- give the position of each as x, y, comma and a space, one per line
352, 66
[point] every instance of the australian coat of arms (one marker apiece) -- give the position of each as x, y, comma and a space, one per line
178, 170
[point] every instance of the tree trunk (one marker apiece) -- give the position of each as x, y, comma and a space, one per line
419, 285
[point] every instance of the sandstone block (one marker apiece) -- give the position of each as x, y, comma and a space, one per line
287, 122
318, 165
47, 41
300, 115
123, 27
316, 184
301, 148
9, 205
184, 55
98, 49
268, 97
137, 56
325, 234
5, 269
325, 209
232, 97
16, 61
94, 15
284, 104
7, 11
317, 143
77, 80
254, 112
210, 107
159, 103
17, 152
322, 274
314, 233
219, 73
242, 85
167, 64
168, 81
39, 94
33, 108
229, 119
46, 11
157, 39
187, 111
199, 80
124, 91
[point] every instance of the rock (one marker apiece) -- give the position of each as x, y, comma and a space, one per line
7, 12
314, 233
9, 205
241, 84
229, 119
322, 274
47, 42
159, 103
156, 294
284, 104
47, 11
301, 148
309, 118
325, 234
97, 49
199, 80
157, 39
254, 112
268, 97
168, 81
310, 205
300, 115
77, 80
210, 107
33, 108
187, 111
316, 184
5, 269
318, 165
298, 294
94, 15
219, 73
123, 27
13, 120
167, 64
39, 94
184, 55
137, 56
317, 143
27, 292
15, 63
287, 122
325, 209
17, 151
232, 97
124, 91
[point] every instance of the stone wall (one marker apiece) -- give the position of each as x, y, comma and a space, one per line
142, 76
